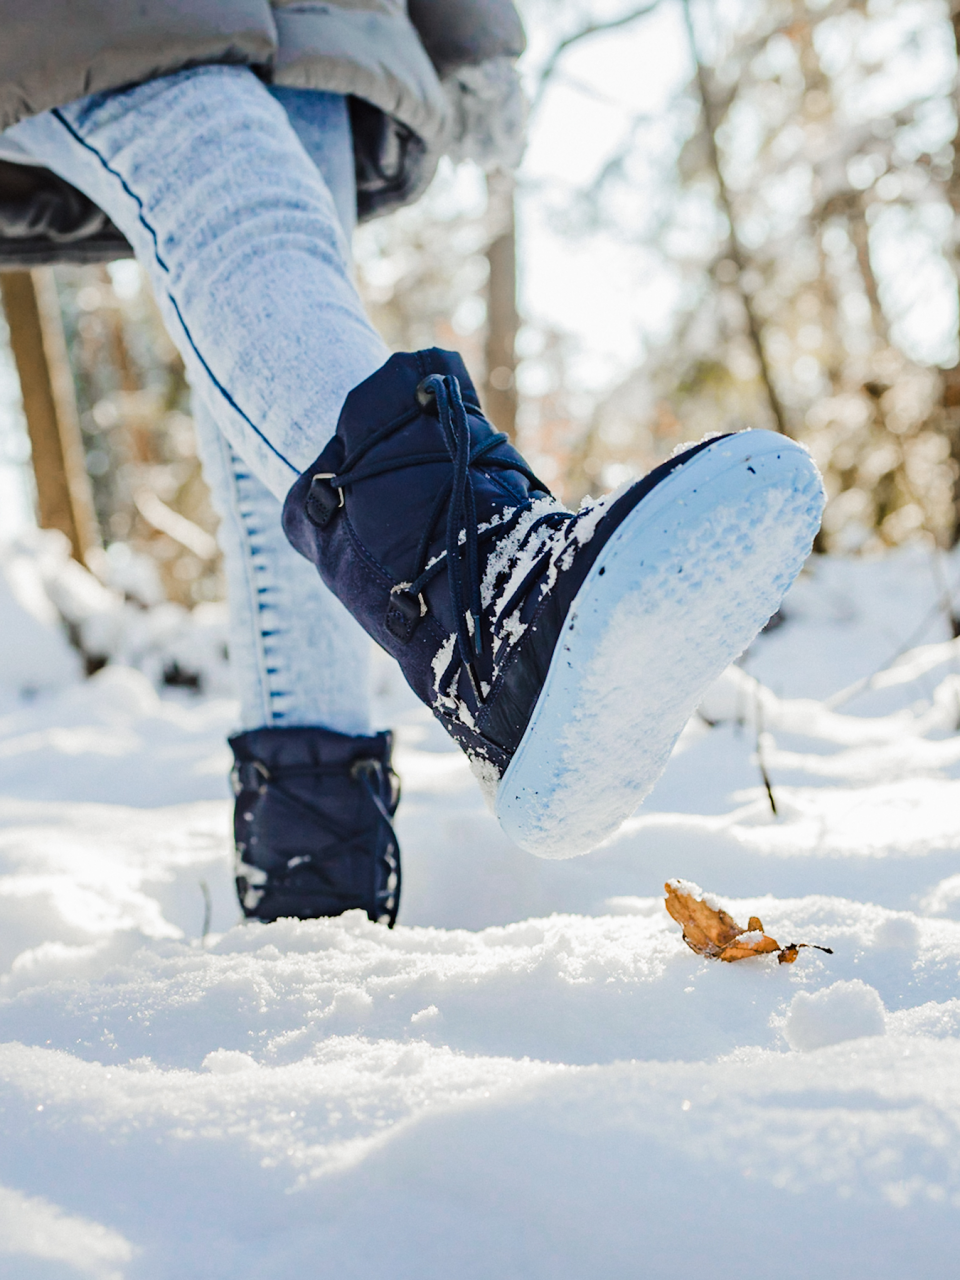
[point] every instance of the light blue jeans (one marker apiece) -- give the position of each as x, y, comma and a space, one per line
239, 202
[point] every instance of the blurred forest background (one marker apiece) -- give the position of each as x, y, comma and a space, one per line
730, 214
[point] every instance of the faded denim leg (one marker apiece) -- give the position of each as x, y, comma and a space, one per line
204, 172
297, 656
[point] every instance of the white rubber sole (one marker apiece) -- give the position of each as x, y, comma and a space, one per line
677, 593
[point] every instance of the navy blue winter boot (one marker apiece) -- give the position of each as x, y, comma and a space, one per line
312, 824
563, 650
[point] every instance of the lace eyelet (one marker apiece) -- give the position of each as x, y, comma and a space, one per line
427, 396
324, 500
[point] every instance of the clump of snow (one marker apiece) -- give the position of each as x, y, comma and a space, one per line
694, 891
592, 511
228, 1062
35, 653
514, 553
440, 665
61, 618
684, 445
944, 897
488, 778
842, 1011
900, 930
511, 628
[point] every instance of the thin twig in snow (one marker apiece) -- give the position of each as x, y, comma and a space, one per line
758, 715
207, 912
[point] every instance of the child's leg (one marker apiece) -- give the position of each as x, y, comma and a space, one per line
297, 656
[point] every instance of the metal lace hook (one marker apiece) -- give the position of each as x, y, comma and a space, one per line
405, 586
330, 475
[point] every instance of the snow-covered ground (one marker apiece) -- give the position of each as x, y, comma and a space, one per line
531, 1077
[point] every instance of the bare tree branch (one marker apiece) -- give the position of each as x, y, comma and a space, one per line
591, 29
734, 247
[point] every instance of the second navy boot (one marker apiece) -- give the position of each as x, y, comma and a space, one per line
312, 824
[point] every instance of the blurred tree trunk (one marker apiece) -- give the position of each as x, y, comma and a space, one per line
64, 493
950, 385
113, 317
860, 239
140, 431
503, 320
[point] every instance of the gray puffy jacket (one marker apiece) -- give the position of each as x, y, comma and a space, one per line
424, 77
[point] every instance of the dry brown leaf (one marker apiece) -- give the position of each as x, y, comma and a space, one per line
790, 952
749, 944
706, 927
711, 931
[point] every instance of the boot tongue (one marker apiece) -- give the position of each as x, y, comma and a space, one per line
392, 391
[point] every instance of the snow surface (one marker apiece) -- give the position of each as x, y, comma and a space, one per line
532, 1076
